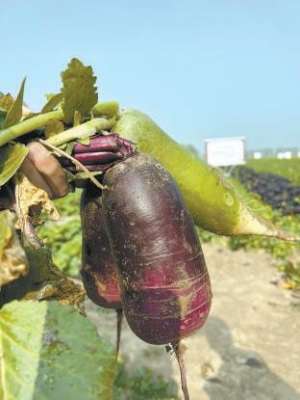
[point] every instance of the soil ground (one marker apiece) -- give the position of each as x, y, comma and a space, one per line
249, 348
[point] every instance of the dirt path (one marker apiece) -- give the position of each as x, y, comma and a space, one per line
250, 347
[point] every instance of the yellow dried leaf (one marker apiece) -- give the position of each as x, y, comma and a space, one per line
32, 201
13, 262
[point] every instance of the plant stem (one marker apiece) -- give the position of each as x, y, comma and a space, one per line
29, 125
81, 131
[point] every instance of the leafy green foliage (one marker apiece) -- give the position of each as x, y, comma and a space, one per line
290, 168
53, 101
6, 101
52, 361
11, 157
143, 386
79, 90
14, 114
283, 252
64, 236
279, 249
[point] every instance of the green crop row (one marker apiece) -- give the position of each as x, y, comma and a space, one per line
289, 168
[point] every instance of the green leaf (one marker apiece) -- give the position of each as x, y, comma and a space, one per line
11, 157
49, 352
53, 102
14, 114
53, 127
77, 118
79, 90
6, 101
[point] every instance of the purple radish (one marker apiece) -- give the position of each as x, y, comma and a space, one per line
98, 271
165, 285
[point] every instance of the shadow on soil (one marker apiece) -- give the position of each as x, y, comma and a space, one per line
243, 374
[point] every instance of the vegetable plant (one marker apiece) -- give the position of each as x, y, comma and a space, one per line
141, 251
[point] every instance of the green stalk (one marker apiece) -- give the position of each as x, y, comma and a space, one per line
82, 131
29, 125
107, 108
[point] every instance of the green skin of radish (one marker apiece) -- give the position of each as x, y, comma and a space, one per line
213, 203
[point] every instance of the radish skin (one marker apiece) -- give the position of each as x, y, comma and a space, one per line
164, 281
98, 269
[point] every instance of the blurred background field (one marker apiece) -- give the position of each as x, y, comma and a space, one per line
289, 168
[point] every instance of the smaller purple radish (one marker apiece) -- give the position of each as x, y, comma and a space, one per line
98, 271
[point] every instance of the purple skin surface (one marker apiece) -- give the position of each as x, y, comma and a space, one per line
98, 271
101, 153
99, 143
165, 285
101, 157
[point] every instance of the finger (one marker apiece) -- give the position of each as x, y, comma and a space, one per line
49, 168
29, 170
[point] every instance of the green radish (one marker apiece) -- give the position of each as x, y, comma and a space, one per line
213, 202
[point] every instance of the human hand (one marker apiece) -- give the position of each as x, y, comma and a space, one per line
44, 171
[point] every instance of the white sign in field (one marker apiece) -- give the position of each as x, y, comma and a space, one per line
223, 152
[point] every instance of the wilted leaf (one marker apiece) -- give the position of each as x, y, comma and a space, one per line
49, 351
15, 112
13, 263
52, 102
79, 90
43, 279
11, 158
6, 101
33, 201
53, 127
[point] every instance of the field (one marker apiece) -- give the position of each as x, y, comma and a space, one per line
289, 168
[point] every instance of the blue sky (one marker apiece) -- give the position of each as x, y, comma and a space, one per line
201, 69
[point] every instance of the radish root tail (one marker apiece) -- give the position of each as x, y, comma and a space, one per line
178, 351
119, 329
